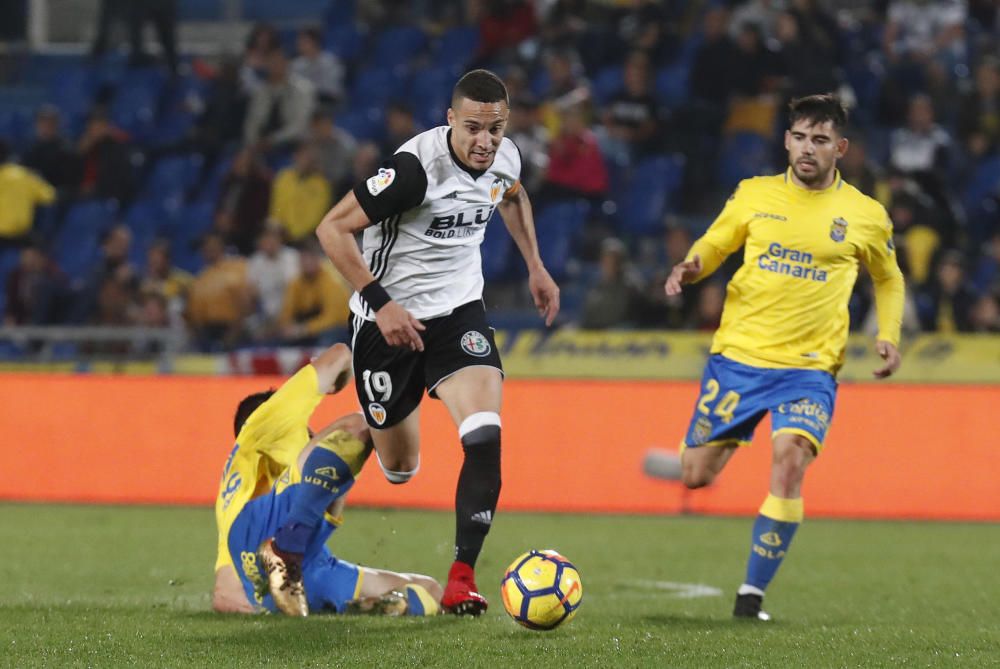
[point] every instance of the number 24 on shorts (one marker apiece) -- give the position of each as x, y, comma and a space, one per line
377, 382
724, 408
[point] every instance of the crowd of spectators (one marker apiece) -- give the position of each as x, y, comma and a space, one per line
596, 88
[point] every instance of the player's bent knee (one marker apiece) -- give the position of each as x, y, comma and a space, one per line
399, 469
696, 475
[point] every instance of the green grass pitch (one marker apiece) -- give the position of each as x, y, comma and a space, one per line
106, 587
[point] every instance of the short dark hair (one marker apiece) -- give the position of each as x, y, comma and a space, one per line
247, 406
314, 34
818, 109
480, 86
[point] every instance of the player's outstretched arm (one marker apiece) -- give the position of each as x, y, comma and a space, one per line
333, 368
515, 209
336, 234
682, 273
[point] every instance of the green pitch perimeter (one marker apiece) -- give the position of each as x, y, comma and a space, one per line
106, 587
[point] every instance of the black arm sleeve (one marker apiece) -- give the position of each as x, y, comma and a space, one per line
401, 184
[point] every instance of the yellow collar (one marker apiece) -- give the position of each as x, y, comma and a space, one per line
838, 181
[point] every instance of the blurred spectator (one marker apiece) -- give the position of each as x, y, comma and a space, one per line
163, 15
657, 310
916, 239
163, 278
576, 166
565, 22
612, 301
109, 13
113, 265
271, 269
503, 25
221, 122
364, 165
21, 190
51, 155
862, 173
107, 162
301, 196
921, 148
946, 306
922, 30
979, 111
808, 68
647, 28
632, 117
280, 109
400, 126
532, 140
818, 27
219, 298
116, 306
711, 299
315, 302
986, 272
754, 69
153, 310
244, 199
712, 70
261, 42
36, 290
321, 68
334, 146
985, 315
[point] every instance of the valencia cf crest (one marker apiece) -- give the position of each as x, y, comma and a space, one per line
838, 230
377, 412
495, 189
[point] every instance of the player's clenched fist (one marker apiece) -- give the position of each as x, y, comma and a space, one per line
399, 327
682, 273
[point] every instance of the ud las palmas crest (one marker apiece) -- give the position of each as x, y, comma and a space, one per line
838, 229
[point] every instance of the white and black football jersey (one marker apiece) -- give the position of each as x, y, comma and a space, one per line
429, 214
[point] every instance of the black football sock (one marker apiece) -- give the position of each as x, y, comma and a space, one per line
478, 491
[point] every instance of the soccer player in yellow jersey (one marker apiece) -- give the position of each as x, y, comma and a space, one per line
784, 325
280, 476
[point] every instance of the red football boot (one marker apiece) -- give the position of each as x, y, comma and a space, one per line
460, 595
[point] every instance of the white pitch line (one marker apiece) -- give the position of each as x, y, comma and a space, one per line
678, 590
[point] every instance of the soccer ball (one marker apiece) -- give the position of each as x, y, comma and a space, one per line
541, 590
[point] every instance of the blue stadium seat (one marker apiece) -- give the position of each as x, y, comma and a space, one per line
286, 10
556, 226
743, 155
72, 90
17, 127
365, 124
497, 250
77, 245
432, 87
173, 177
650, 194
607, 82
187, 226
456, 47
398, 45
200, 10
137, 102
672, 84
146, 219
378, 86
346, 40
340, 11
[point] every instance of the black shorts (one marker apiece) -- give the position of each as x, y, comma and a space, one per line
390, 380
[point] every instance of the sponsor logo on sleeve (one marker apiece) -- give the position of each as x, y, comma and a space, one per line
381, 181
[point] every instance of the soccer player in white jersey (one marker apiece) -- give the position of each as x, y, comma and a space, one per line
419, 320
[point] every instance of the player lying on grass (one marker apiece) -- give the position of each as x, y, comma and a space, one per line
278, 472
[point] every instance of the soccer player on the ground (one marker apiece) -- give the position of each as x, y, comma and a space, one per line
278, 472
785, 321
419, 319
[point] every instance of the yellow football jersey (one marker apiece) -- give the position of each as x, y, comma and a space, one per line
268, 444
787, 305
